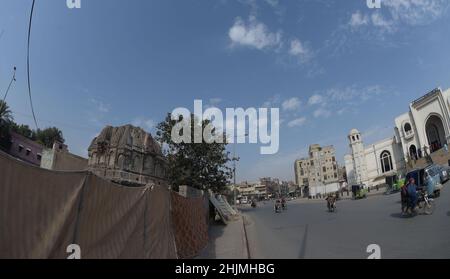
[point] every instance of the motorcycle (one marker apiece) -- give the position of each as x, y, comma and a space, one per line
331, 204
277, 207
425, 205
253, 204
283, 205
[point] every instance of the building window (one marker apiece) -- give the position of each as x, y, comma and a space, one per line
386, 161
408, 128
28, 152
324, 169
334, 159
39, 157
312, 163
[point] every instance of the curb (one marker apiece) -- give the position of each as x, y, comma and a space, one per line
245, 239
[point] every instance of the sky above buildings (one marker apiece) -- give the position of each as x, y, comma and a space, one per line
329, 66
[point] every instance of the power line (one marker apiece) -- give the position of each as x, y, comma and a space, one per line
28, 65
13, 79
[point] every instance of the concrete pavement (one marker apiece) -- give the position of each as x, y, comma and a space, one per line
307, 230
226, 241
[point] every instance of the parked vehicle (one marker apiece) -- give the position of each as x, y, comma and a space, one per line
394, 184
444, 174
428, 178
359, 192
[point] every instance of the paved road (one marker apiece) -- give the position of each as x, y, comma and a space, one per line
307, 230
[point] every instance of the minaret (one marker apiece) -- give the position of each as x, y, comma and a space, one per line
359, 158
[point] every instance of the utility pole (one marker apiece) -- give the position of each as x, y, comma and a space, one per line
234, 169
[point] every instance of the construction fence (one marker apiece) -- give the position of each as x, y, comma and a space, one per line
42, 212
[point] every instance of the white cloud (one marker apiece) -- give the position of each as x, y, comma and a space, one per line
395, 13
316, 99
379, 21
297, 122
253, 34
322, 112
415, 12
147, 124
291, 104
358, 19
101, 107
300, 50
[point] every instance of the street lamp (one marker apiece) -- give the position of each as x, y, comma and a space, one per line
234, 168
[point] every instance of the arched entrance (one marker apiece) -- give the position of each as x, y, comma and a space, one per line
435, 133
413, 152
386, 162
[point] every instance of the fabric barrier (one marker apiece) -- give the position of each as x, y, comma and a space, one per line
42, 212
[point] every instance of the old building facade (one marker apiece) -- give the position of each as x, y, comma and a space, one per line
127, 155
320, 168
422, 131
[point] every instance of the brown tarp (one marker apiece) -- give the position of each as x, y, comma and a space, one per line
42, 212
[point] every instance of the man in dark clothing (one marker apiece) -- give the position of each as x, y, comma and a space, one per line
404, 197
412, 194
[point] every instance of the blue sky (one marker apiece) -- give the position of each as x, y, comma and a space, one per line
329, 66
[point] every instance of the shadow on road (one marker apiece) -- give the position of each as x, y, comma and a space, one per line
215, 231
305, 240
397, 215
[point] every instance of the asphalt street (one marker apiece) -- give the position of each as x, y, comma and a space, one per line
307, 230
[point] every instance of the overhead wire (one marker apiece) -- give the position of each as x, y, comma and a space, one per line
28, 65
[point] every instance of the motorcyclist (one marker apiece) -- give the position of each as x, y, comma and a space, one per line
412, 194
404, 197
331, 200
277, 204
283, 203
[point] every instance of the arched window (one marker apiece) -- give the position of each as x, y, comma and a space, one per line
386, 162
408, 128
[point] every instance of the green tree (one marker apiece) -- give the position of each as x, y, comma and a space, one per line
23, 130
6, 119
199, 165
5, 113
47, 137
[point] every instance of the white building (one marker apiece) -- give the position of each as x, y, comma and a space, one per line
371, 164
423, 130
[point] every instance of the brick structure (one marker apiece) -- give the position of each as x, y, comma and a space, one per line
127, 155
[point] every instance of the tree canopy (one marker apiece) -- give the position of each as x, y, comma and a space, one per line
199, 165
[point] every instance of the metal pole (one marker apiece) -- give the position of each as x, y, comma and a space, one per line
234, 173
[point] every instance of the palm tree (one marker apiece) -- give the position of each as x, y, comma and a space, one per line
5, 113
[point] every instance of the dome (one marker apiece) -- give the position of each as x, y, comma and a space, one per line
354, 132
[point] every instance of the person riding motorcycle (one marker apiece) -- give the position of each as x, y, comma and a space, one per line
331, 202
409, 197
277, 205
283, 203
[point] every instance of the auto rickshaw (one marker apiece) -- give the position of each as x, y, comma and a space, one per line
359, 192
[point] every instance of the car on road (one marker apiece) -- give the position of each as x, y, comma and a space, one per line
444, 173
428, 178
